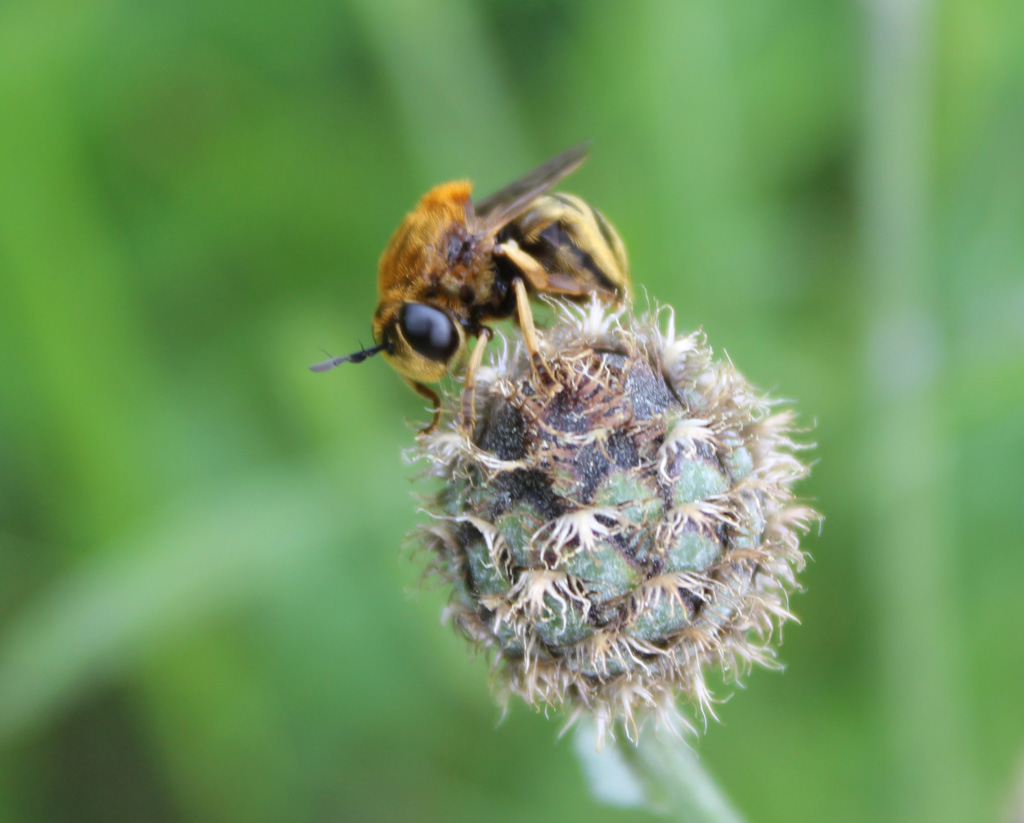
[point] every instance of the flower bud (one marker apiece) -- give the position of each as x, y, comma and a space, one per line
612, 537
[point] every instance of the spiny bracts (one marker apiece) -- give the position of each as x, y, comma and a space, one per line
610, 541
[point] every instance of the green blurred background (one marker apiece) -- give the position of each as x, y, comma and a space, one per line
205, 614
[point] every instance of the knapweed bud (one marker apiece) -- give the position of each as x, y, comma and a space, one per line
610, 540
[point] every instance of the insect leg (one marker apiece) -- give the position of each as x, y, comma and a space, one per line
541, 280
532, 270
435, 402
550, 282
469, 387
525, 315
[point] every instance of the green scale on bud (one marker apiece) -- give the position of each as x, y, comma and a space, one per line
610, 540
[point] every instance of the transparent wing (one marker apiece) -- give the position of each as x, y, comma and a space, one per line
508, 203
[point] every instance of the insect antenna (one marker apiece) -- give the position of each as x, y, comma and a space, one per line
355, 357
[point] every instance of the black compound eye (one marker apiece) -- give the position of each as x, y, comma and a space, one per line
429, 331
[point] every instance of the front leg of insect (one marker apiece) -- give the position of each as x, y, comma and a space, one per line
435, 405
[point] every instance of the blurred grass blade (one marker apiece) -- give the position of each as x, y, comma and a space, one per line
436, 85
205, 556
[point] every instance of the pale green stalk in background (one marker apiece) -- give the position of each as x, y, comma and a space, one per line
908, 560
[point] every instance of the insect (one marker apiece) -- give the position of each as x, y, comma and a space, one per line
453, 265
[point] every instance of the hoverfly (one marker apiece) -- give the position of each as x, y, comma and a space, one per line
454, 264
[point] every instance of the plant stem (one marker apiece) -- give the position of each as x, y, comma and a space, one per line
661, 774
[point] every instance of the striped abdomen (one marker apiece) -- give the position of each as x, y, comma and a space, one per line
569, 237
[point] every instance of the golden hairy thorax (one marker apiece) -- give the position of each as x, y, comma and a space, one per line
438, 251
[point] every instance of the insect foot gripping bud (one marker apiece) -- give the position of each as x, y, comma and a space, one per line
611, 541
